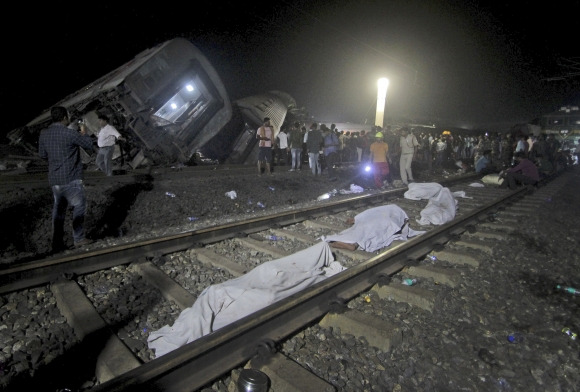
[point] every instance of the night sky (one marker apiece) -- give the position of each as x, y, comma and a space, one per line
459, 63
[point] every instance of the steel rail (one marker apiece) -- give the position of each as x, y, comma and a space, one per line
26, 274
198, 363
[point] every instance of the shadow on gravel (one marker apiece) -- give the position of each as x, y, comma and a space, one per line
113, 215
74, 370
20, 219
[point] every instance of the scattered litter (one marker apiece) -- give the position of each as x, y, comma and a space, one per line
275, 238
259, 204
231, 194
570, 290
353, 189
170, 194
192, 218
461, 194
327, 195
515, 337
568, 331
271, 188
503, 384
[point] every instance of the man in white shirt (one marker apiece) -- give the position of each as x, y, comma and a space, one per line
283, 148
409, 145
106, 140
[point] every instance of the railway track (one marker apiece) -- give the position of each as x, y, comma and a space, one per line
112, 321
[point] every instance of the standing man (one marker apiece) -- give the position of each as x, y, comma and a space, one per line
330, 149
409, 144
313, 140
378, 156
60, 146
296, 138
265, 135
108, 136
283, 148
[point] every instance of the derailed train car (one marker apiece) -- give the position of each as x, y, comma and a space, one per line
172, 107
274, 104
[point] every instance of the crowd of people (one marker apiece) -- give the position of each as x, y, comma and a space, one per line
403, 149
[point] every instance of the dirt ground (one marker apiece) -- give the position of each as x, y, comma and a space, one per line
518, 296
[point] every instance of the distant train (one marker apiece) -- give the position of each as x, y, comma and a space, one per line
172, 107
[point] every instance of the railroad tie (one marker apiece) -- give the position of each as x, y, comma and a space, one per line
486, 235
416, 296
209, 257
481, 246
320, 225
456, 257
296, 236
262, 247
447, 276
377, 332
288, 376
500, 225
170, 289
115, 358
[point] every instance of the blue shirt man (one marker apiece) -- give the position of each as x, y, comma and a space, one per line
484, 164
330, 148
60, 146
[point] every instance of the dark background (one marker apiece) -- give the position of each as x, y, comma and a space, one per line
461, 63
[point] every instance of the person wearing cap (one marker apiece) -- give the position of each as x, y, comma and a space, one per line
378, 156
265, 135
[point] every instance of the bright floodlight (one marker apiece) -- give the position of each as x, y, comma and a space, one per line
383, 84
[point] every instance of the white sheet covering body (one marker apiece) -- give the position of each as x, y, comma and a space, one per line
224, 303
376, 228
442, 205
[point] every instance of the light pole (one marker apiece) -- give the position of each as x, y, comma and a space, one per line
383, 84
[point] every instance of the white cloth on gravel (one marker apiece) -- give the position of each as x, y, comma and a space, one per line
422, 190
376, 228
442, 205
224, 303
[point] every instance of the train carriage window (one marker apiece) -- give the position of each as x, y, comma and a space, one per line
189, 96
187, 103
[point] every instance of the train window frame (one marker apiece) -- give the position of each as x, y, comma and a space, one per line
206, 104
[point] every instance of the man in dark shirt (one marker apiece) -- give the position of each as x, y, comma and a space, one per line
524, 173
314, 141
60, 146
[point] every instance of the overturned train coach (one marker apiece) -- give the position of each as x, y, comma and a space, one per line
172, 108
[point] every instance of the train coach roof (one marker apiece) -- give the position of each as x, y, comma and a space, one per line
110, 80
